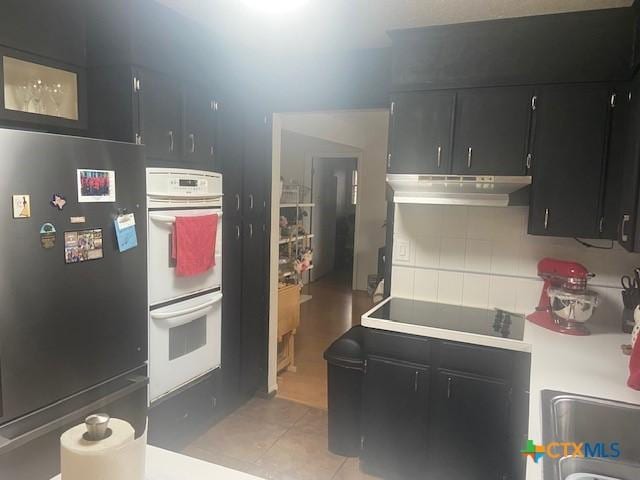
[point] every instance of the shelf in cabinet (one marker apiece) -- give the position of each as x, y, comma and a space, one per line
297, 205
284, 241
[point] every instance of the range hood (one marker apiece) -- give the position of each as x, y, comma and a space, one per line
482, 191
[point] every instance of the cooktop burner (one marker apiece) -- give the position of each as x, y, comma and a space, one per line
479, 321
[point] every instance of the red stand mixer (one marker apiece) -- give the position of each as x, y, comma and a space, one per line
565, 303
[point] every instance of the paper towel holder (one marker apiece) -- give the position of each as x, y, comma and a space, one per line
97, 427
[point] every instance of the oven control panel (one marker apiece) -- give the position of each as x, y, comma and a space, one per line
181, 183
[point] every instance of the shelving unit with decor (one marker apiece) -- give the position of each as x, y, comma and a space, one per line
296, 254
295, 259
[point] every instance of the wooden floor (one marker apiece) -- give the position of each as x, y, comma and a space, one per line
333, 310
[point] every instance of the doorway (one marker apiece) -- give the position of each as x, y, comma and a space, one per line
333, 220
336, 162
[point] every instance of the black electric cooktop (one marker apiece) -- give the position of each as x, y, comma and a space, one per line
479, 321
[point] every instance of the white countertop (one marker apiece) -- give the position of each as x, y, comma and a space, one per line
591, 365
166, 465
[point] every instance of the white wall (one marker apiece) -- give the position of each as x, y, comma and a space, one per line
298, 151
483, 257
365, 130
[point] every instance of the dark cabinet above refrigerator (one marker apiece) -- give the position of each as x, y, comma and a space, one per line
41, 93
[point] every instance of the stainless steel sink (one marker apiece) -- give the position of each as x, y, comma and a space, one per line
574, 418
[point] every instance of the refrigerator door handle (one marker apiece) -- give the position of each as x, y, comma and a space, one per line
9, 444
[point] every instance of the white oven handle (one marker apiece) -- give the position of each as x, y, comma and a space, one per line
168, 218
180, 317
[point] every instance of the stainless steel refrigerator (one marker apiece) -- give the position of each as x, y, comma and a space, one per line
73, 326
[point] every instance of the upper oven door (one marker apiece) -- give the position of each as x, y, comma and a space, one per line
164, 284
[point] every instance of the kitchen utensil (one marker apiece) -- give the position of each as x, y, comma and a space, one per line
636, 273
628, 283
565, 303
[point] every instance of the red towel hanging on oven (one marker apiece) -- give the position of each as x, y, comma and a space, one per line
194, 244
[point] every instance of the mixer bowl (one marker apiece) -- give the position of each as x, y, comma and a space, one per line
571, 306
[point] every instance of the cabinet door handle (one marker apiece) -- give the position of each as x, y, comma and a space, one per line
251, 201
469, 157
237, 232
171, 143
623, 236
237, 202
546, 218
192, 137
415, 381
439, 161
250, 230
449, 381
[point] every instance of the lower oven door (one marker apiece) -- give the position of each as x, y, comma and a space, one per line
184, 342
164, 284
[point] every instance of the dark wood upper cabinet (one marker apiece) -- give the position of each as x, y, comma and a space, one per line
569, 152
592, 46
41, 93
199, 125
257, 162
229, 155
626, 139
395, 416
55, 30
420, 137
491, 131
150, 35
160, 116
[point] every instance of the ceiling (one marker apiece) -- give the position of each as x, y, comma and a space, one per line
329, 25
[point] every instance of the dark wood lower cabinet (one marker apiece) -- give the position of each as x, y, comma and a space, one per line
395, 416
428, 421
469, 431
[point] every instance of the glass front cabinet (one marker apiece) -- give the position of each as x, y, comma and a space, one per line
42, 92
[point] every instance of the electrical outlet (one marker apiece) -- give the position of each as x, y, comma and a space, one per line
402, 251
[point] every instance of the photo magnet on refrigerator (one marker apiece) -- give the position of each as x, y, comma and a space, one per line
21, 206
48, 236
58, 201
126, 236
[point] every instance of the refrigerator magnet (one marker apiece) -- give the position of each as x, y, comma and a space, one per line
126, 236
48, 236
83, 245
96, 185
21, 206
58, 201
76, 220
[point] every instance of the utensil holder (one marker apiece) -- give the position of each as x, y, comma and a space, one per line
631, 298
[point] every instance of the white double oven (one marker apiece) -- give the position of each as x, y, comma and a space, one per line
184, 312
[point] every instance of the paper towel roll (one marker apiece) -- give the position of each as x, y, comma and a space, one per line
117, 457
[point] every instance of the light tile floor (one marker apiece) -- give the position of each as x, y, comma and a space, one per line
275, 439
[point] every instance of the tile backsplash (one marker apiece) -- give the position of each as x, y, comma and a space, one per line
483, 257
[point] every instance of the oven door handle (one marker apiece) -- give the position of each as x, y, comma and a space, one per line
180, 317
170, 219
